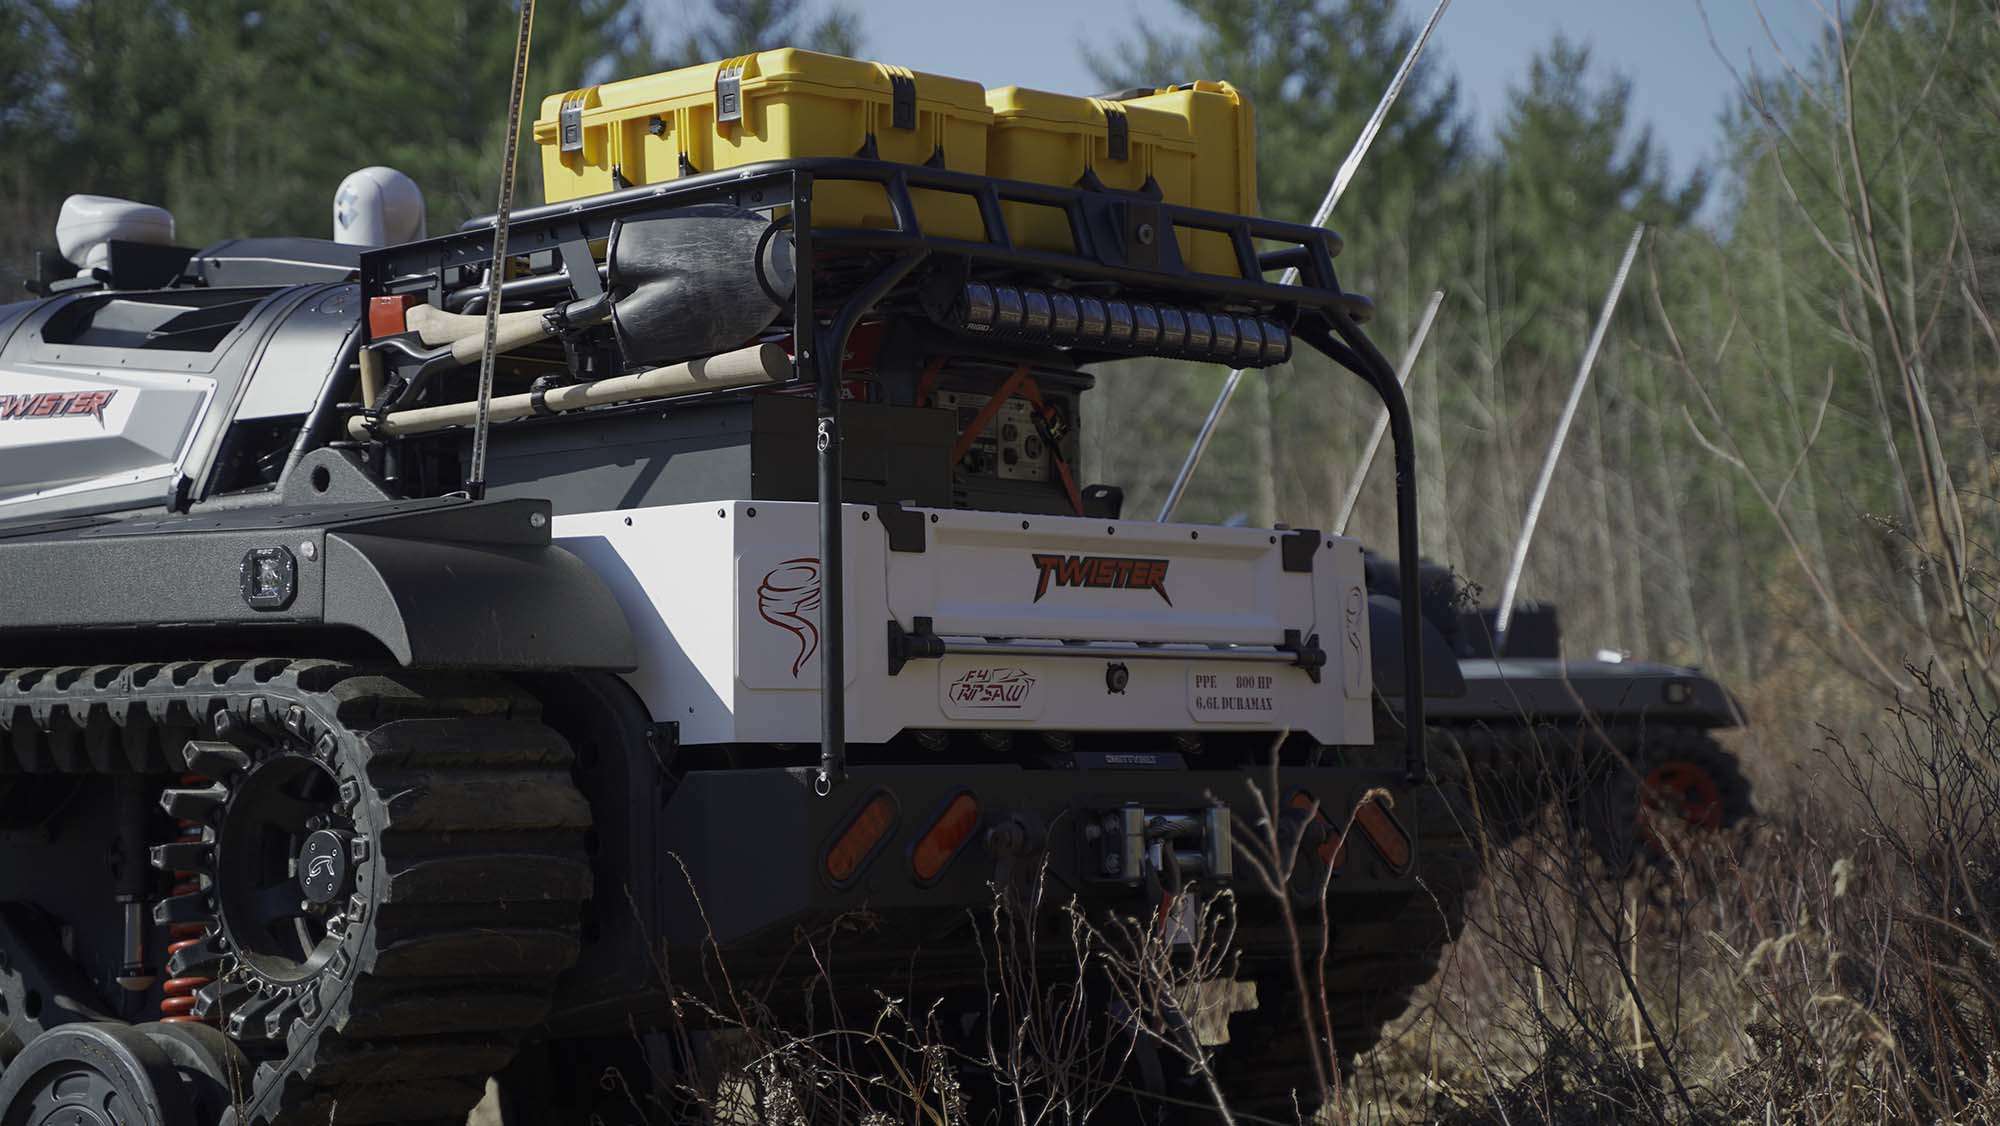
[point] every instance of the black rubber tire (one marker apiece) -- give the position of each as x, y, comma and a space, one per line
1609, 811
125, 1080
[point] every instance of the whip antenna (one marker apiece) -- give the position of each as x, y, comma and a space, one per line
1549, 459
1334, 191
476, 480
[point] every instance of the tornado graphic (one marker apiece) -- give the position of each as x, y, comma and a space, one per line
789, 592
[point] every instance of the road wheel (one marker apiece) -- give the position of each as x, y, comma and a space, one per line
93, 1075
1666, 785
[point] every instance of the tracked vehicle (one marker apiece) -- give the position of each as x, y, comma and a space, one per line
367, 734
1627, 748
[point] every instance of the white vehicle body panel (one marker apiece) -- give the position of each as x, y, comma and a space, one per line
65, 429
724, 601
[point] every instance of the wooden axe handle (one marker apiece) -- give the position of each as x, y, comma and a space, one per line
744, 367
467, 334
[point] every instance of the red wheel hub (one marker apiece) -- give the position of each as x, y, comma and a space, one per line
1684, 790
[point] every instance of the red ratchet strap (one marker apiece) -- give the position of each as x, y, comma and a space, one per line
1018, 383
928, 382
986, 414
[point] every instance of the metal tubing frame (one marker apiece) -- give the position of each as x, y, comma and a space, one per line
313, 432
1354, 351
1374, 444
820, 361
1099, 254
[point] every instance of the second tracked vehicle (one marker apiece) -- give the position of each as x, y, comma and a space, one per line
1627, 748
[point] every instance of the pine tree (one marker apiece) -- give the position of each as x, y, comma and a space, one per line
1573, 175
1313, 71
736, 27
242, 116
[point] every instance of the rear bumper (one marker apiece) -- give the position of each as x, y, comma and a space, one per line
761, 850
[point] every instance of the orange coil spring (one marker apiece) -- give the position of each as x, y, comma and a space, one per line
177, 996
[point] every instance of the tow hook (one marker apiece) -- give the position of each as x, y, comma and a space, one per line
1133, 845
1011, 840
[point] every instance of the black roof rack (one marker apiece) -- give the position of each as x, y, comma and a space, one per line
1117, 236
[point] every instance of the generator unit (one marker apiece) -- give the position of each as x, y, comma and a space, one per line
367, 727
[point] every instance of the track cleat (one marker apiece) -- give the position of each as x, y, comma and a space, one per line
250, 1020
186, 856
193, 907
193, 805
218, 1001
217, 762
199, 957
232, 728
281, 1015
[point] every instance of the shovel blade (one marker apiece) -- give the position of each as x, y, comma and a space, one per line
696, 282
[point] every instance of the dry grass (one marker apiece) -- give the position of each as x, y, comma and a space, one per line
1832, 962
1835, 963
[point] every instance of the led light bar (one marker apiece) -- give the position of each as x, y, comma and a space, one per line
1075, 321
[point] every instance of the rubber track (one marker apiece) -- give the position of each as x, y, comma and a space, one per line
473, 887
1373, 970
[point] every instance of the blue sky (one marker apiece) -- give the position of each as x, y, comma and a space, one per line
1679, 85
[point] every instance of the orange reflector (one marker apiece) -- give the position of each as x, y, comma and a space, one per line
1379, 826
952, 829
1331, 850
863, 835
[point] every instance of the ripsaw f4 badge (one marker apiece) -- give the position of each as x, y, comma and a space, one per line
1101, 572
993, 689
56, 404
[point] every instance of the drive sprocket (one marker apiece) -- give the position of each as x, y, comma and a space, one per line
391, 869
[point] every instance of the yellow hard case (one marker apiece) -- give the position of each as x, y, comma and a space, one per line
1195, 142
773, 105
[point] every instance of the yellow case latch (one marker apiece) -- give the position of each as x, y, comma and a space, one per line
729, 91
569, 122
902, 101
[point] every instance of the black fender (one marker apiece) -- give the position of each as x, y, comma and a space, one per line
1513, 690
443, 582
472, 605
1385, 646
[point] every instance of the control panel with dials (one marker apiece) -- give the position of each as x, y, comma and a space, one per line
1010, 447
